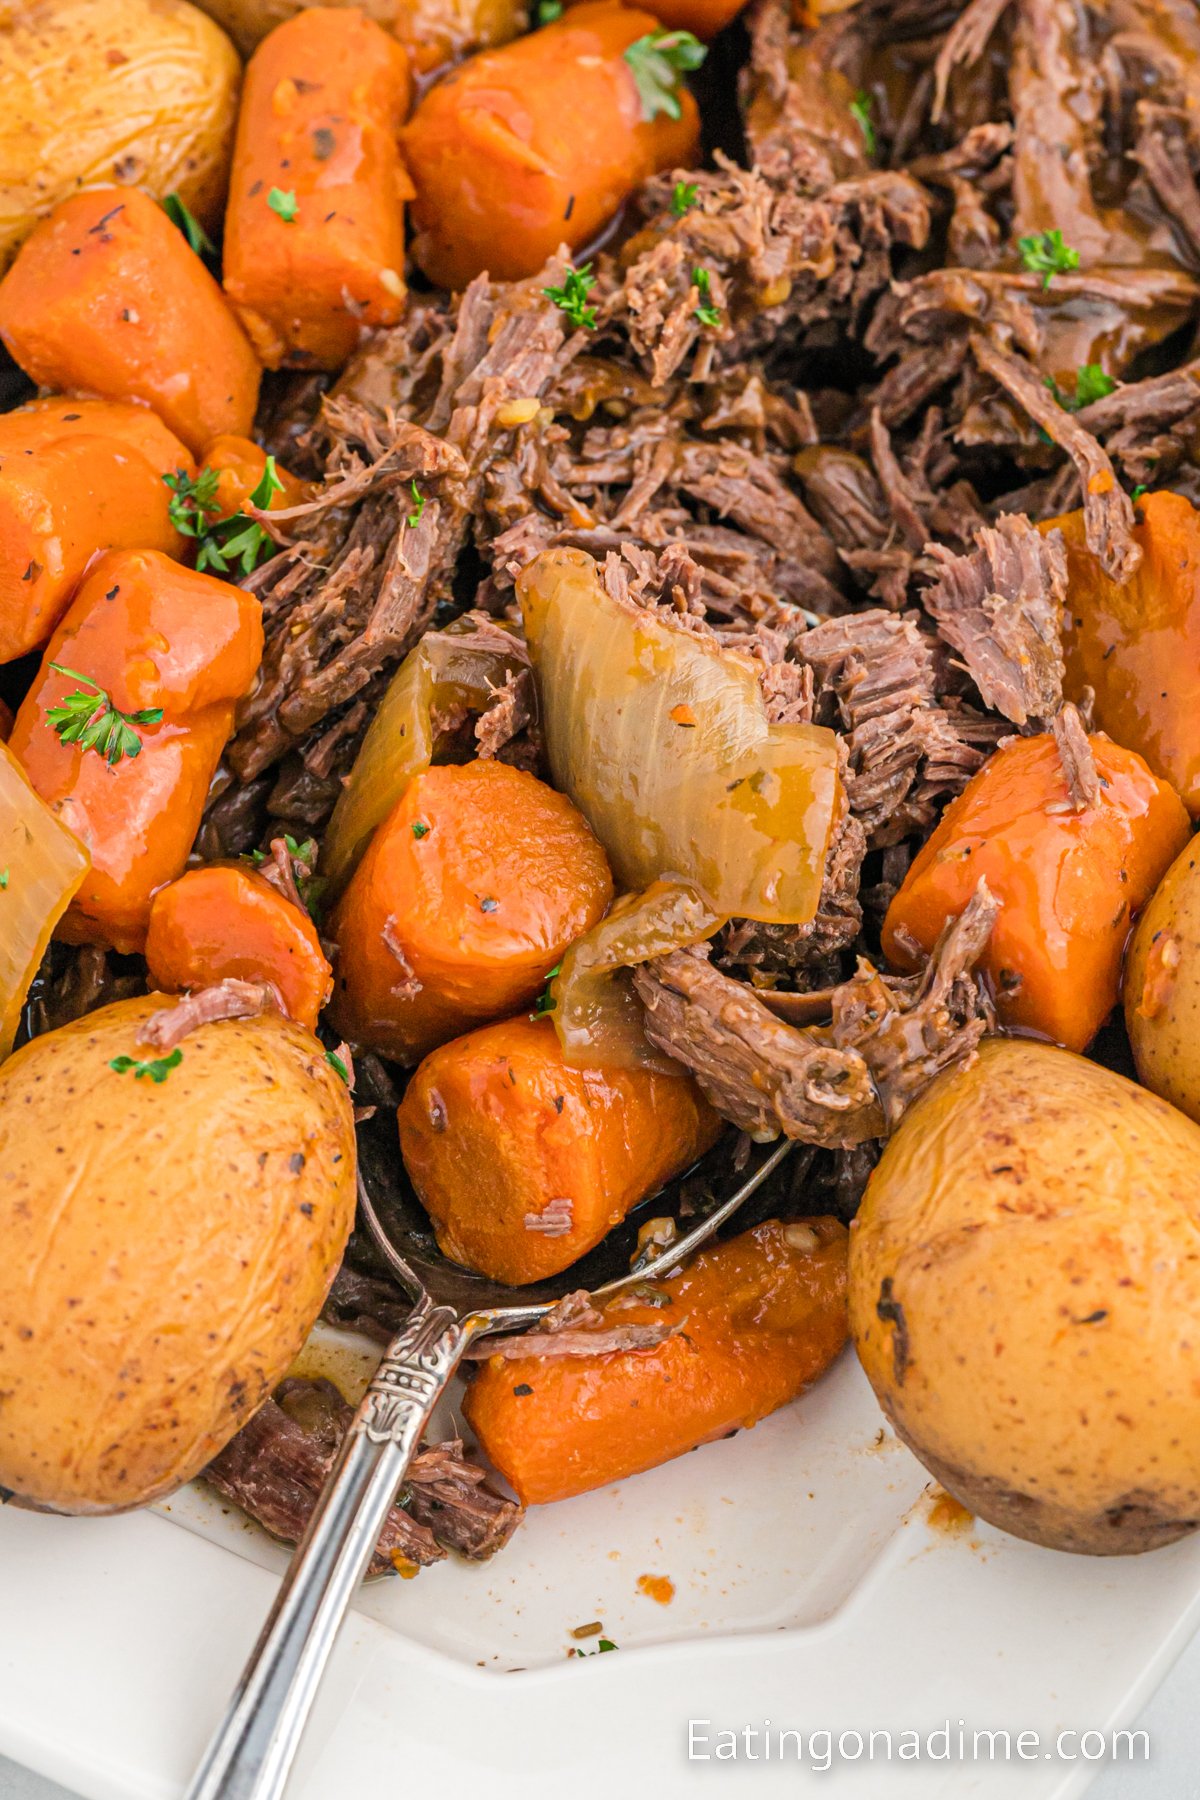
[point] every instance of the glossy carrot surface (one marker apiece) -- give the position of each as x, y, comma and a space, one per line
754, 1321
314, 231
106, 298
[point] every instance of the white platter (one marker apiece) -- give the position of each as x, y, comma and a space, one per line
811, 1589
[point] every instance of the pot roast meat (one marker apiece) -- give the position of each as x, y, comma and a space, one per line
1000, 607
837, 1085
275, 1467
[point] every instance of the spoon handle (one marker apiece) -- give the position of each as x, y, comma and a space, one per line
253, 1748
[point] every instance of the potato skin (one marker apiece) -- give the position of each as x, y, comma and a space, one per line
141, 92
167, 1247
1162, 987
1024, 1291
432, 31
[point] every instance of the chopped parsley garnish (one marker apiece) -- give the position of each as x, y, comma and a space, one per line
860, 108
706, 312
94, 723
1138, 491
545, 1002
194, 500
548, 11
658, 62
337, 1065
301, 853
418, 511
190, 226
1091, 383
3, 880
603, 1645
571, 297
222, 542
283, 204
1046, 255
420, 828
686, 194
157, 1069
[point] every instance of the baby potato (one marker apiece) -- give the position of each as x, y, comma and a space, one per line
1162, 987
140, 92
1024, 1297
171, 1228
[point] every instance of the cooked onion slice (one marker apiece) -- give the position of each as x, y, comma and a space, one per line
597, 1015
448, 673
41, 868
660, 737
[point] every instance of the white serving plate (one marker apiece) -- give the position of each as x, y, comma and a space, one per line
811, 1589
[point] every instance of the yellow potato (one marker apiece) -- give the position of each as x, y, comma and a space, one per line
167, 1246
1162, 986
435, 31
140, 92
1025, 1298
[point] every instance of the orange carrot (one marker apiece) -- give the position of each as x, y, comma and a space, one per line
524, 1164
225, 921
1070, 883
468, 895
149, 634
314, 232
105, 297
239, 465
1137, 645
76, 476
756, 1320
535, 145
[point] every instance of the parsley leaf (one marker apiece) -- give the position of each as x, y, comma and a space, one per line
3, 879
545, 1002
548, 11
94, 723
571, 297
657, 63
1091, 383
420, 828
157, 1068
195, 498
1046, 255
284, 204
224, 542
418, 511
603, 1645
337, 1065
1138, 491
190, 226
860, 108
706, 312
685, 196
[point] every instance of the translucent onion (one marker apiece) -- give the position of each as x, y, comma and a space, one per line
41, 868
447, 671
596, 1013
660, 737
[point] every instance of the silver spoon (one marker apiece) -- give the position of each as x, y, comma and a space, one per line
253, 1748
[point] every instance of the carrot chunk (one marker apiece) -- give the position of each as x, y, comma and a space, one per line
1137, 645
143, 634
1070, 882
314, 231
468, 895
105, 297
524, 1164
225, 921
76, 476
536, 145
757, 1319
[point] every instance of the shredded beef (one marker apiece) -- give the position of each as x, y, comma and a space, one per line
836, 1085
228, 999
276, 1465
1000, 607
1075, 753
